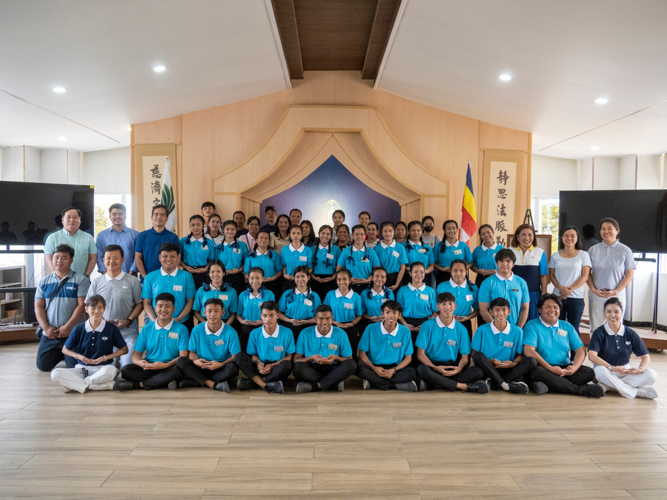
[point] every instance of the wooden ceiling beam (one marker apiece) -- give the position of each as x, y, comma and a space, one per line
289, 36
383, 23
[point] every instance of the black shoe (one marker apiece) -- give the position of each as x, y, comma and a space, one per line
123, 385
492, 385
275, 388
539, 388
187, 382
480, 387
173, 385
222, 387
591, 391
245, 384
518, 388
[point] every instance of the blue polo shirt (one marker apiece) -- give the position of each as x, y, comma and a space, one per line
232, 255
485, 258
371, 302
250, 307
180, 284
294, 258
386, 348
444, 253
553, 343
391, 257
466, 299
297, 305
270, 262
359, 262
494, 344
416, 252
67, 299
616, 348
162, 345
225, 293
344, 307
148, 244
325, 260
125, 238
214, 346
417, 302
514, 289
271, 348
443, 343
96, 343
194, 253
335, 343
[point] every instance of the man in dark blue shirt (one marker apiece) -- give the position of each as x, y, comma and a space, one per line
148, 243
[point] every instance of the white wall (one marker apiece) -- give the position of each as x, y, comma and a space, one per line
108, 170
585, 174
551, 175
12, 164
626, 175
53, 166
605, 172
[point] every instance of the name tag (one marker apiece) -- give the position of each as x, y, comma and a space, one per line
384, 300
508, 344
562, 332
236, 250
514, 290
173, 335
451, 342
178, 288
219, 342
458, 252
422, 250
395, 254
278, 348
397, 344
332, 347
224, 297
303, 258
348, 305
308, 302
330, 256
365, 259
423, 296
259, 304
468, 298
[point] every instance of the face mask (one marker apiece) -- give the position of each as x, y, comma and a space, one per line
428, 229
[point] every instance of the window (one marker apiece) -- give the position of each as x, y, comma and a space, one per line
102, 204
545, 214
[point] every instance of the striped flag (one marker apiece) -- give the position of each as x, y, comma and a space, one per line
168, 197
468, 214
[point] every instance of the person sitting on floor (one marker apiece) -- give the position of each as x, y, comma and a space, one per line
323, 356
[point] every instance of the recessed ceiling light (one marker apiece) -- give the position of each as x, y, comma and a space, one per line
505, 77
595, 148
601, 100
129, 128
62, 138
59, 90
159, 68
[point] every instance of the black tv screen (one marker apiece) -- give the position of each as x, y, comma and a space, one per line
31, 210
641, 214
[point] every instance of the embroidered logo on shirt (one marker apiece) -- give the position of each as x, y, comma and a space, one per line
173, 335
627, 342
105, 338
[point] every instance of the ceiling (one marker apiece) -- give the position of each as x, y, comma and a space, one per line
445, 53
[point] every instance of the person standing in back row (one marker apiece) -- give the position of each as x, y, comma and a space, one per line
85, 250
147, 246
118, 234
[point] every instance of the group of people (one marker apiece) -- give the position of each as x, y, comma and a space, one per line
278, 299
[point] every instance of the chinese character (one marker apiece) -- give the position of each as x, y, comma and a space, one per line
156, 201
500, 226
502, 177
502, 194
500, 240
155, 187
501, 210
156, 171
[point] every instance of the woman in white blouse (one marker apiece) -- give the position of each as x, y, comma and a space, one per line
568, 271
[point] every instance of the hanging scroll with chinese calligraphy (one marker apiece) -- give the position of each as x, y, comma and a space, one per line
148, 178
153, 169
501, 199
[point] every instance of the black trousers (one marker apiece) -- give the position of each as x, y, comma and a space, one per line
50, 353
354, 336
237, 282
244, 335
468, 375
468, 325
199, 278
249, 368
327, 375
415, 322
152, 379
276, 287
359, 288
442, 276
500, 375
563, 385
391, 280
321, 289
200, 375
407, 374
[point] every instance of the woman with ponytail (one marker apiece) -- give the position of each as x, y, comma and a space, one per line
465, 293
358, 259
268, 260
373, 298
449, 250
418, 251
232, 253
297, 305
249, 312
325, 257
196, 251
215, 288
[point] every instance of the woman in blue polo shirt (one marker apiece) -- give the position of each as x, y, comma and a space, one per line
325, 258
232, 253
296, 254
346, 308
531, 265
417, 299
392, 256
484, 256
418, 251
250, 302
358, 259
216, 289
465, 293
269, 260
373, 298
297, 306
449, 250
196, 251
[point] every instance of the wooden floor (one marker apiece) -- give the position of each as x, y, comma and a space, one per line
194, 443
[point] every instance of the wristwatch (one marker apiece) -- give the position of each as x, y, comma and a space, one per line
129, 321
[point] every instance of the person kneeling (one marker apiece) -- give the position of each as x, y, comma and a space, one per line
213, 347
164, 341
497, 349
443, 347
385, 353
549, 340
323, 356
271, 347
92, 343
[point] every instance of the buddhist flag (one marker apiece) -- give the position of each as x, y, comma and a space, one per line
468, 214
168, 197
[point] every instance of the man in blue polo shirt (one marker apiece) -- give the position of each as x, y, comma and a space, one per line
385, 353
323, 356
118, 234
148, 243
85, 251
58, 313
213, 347
170, 279
443, 348
549, 340
164, 341
272, 348
507, 285
497, 349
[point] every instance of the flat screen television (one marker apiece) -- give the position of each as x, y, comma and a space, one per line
641, 215
31, 210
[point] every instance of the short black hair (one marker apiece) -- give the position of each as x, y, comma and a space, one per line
270, 305
295, 210
323, 308
588, 230
118, 206
505, 254
96, 300
256, 270
207, 204
499, 302
445, 297
239, 212
64, 249
374, 224
167, 297
614, 301
114, 248
159, 206
65, 210
215, 302
392, 305
269, 208
549, 296
169, 247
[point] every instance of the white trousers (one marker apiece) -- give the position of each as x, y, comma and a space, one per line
126, 359
73, 378
596, 309
626, 385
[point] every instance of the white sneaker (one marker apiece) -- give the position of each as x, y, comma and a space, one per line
365, 385
605, 387
101, 387
66, 389
341, 386
647, 393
